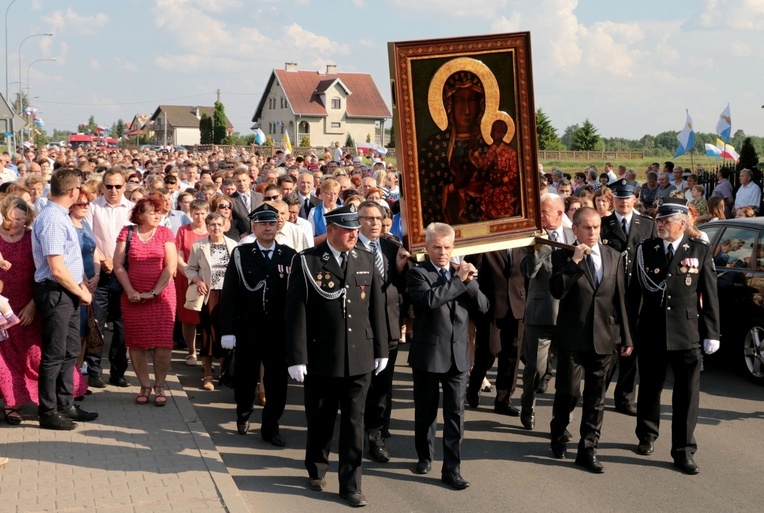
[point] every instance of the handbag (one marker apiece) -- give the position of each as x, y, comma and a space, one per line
194, 300
93, 336
114, 286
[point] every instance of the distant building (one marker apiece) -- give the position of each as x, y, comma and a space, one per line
179, 124
139, 126
322, 106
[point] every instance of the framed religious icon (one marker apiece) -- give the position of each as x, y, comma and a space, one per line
465, 130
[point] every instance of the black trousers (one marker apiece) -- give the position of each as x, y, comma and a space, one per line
426, 400
108, 307
626, 385
572, 366
379, 402
247, 372
59, 311
685, 399
323, 396
502, 333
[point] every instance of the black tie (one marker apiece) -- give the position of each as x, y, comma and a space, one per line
592, 270
670, 253
443, 275
623, 225
343, 262
306, 206
267, 254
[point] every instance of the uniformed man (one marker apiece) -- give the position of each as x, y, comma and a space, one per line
254, 295
336, 337
623, 230
672, 273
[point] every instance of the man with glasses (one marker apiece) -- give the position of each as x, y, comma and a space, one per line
671, 274
107, 215
391, 261
59, 291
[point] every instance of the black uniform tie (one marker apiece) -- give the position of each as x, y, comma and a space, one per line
623, 225
670, 253
343, 262
267, 254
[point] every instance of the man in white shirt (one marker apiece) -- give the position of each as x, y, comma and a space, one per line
748, 194
293, 204
107, 215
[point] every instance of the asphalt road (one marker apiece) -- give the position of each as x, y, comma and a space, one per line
510, 469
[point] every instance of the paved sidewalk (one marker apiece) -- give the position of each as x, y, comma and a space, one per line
137, 459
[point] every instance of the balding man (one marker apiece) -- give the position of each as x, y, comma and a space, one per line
541, 308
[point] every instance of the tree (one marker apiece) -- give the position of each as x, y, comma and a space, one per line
120, 129
206, 135
391, 142
220, 125
268, 141
585, 138
304, 141
547, 134
748, 157
349, 142
567, 136
24, 103
92, 126
368, 138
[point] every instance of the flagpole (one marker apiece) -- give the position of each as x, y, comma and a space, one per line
692, 161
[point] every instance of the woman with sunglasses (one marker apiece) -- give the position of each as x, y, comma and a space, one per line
224, 207
91, 257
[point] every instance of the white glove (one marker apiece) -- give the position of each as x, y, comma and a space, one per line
298, 372
379, 365
710, 346
228, 341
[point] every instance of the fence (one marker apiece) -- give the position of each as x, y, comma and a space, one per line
590, 155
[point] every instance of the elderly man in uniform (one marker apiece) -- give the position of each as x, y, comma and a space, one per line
623, 230
254, 294
442, 297
673, 275
336, 337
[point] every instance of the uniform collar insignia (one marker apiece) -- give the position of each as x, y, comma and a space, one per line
685, 246
325, 257
352, 252
657, 247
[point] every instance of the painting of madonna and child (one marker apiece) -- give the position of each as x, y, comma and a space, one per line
465, 110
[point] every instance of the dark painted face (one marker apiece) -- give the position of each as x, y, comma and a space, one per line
466, 107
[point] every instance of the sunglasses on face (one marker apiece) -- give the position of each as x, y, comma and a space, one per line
81, 205
271, 198
118, 186
224, 207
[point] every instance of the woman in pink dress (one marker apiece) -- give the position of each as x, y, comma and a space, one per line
20, 353
185, 238
148, 301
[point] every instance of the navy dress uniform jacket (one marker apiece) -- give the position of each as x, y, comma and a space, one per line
642, 227
332, 340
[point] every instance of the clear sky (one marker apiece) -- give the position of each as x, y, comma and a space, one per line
631, 67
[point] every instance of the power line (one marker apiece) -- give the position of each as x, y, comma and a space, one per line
125, 103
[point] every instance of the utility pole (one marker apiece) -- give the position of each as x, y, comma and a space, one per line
218, 95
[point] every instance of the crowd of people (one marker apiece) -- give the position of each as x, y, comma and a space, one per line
279, 266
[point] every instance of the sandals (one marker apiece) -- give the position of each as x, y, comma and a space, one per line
208, 383
12, 416
191, 360
159, 398
143, 396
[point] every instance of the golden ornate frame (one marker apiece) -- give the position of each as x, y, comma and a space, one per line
411, 88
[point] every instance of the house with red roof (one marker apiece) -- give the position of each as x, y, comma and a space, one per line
325, 107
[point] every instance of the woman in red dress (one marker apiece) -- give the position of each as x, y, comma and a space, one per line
20, 353
148, 301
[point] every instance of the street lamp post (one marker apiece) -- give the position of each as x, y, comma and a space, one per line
48, 34
7, 87
29, 87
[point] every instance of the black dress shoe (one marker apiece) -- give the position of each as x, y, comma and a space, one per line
74, 412
528, 420
543, 385
566, 437
96, 382
627, 409
687, 465
473, 398
454, 480
316, 484
559, 450
506, 408
423, 466
275, 439
57, 421
355, 499
118, 381
588, 459
379, 454
646, 448
242, 426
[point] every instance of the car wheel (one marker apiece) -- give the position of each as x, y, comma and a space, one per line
753, 353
